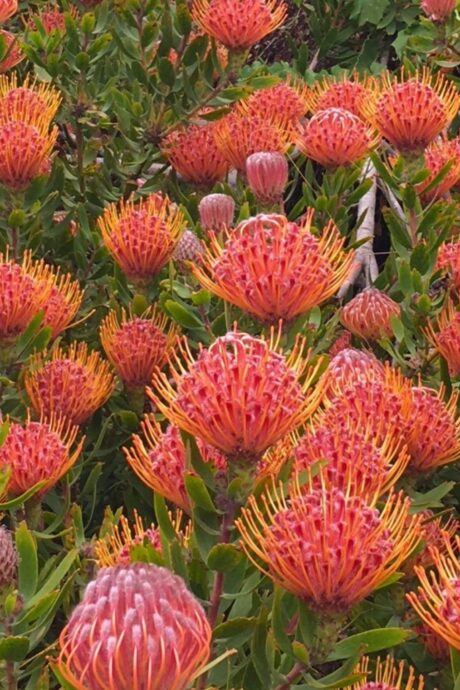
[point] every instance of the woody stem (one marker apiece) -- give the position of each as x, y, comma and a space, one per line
292, 676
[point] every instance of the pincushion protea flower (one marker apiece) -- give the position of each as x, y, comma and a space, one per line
267, 175
388, 675
63, 304
438, 10
7, 9
13, 54
433, 643
24, 152
72, 383
275, 269
8, 558
349, 366
446, 337
29, 102
437, 155
336, 137
286, 101
344, 93
435, 533
240, 395
136, 345
292, 538
141, 236
50, 18
237, 136
368, 315
39, 451
434, 429
239, 24
136, 626
216, 212
193, 153
353, 455
437, 600
449, 260
411, 113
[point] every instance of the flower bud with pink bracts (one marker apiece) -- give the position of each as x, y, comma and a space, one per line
368, 314
7, 9
216, 212
445, 337
137, 626
267, 175
349, 366
438, 10
8, 559
189, 248
194, 155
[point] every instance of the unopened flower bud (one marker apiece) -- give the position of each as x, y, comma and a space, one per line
267, 174
188, 248
438, 10
216, 211
8, 558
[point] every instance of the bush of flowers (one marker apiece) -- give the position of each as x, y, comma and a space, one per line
229, 345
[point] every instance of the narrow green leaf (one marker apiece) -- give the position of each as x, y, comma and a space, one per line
14, 648
196, 489
28, 561
370, 641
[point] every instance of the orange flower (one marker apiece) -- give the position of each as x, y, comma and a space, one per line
437, 600
51, 18
137, 345
239, 24
411, 113
286, 101
237, 136
193, 153
72, 383
24, 290
336, 137
430, 413
368, 314
349, 366
449, 260
30, 103
38, 451
241, 395
344, 93
437, 155
13, 54
388, 675
446, 339
275, 269
63, 304
438, 10
329, 547
7, 9
141, 236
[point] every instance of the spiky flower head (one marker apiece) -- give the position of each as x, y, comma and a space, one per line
433, 643
72, 383
136, 345
445, 337
438, 10
437, 599
387, 675
239, 24
8, 558
353, 456
38, 451
349, 366
237, 136
434, 429
346, 93
136, 626
336, 137
189, 248
29, 102
51, 18
240, 395
273, 268
63, 303
436, 533
293, 538
437, 155
193, 153
368, 315
216, 212
449, 260
7, 9
24, 152
287, 100
412, 112
141, 236
13, 52
267, 175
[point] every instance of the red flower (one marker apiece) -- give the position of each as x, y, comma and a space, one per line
72, 383
368, 315
239, 24
50, 18
38, 451
63, 304
193, 153
137, 345
449, 260
216, 212
134, 622
241, 395
237, 136
273, 268
438, 10
336, 137
286, 101
437, 155
267, 174
30, 103
410, 114
329, 547
349, 366
141, 236
7, 9
446, 339
13, 53
343, 93
24, 152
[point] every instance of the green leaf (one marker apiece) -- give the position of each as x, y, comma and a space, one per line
224, 557
279, 622
167, 72
196, 489
14, 648
455, 664
258, 648
342, 683
182, 315
369, 641
237, 630
430, 499
19, 500
55, 578
307, 624
28, 561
